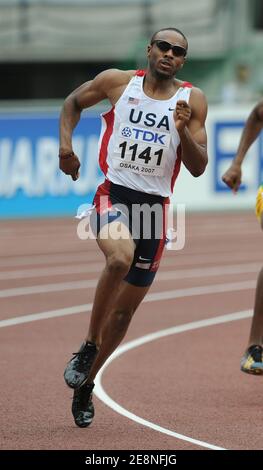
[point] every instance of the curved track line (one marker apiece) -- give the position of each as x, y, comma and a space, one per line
105, 398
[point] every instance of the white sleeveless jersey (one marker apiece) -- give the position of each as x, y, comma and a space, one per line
139, 146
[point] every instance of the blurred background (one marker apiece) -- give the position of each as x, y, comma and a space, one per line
49, 47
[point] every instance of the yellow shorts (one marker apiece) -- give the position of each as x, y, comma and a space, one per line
259, 203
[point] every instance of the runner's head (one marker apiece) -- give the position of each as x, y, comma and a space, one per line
167, 52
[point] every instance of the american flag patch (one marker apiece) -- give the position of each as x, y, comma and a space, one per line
132, 100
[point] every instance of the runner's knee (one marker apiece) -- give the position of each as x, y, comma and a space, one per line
119, 263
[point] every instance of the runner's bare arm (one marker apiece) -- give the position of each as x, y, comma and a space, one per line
107, 84
190, 123
233, 176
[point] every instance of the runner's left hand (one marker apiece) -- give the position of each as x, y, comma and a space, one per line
182, 114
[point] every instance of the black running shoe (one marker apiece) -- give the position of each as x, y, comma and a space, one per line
78, 368
252, 361
82, 406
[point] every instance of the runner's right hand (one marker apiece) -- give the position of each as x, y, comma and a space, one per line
69, 164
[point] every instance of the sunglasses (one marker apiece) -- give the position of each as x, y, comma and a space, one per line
165, 46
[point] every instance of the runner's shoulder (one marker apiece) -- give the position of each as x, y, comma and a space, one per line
116, 77
198, 100
197, 93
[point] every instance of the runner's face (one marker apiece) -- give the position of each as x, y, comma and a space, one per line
165, 64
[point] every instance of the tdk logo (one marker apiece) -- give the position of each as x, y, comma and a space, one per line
126, 132
144, 135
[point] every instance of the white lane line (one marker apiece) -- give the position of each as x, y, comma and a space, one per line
105, 398
153, 297
62, 258
209, 271
41, 289
61, 312
201, 290
52, 271
224, 233
161, 275
181, 259
76, 285
91, 255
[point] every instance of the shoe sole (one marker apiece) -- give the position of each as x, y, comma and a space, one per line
255, 371
83, 425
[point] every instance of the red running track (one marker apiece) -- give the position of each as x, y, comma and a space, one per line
187, 383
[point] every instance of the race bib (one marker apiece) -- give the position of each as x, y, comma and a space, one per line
141, 150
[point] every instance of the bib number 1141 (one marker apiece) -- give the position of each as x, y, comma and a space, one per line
145, 154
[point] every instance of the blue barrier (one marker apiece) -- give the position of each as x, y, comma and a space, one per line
31, 183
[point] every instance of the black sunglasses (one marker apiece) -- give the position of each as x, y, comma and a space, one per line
165, 46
